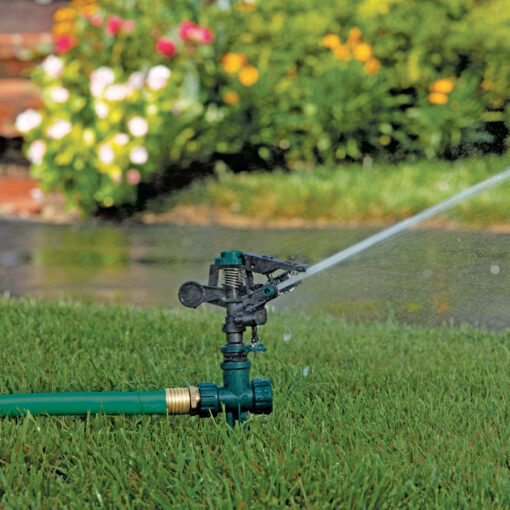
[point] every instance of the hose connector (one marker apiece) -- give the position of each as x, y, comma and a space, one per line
182, 400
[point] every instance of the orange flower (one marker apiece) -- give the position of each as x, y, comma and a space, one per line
342, 52
248, 76
372, 66
362, 52
354, 37
232, 62
444, 86
230, 97
331, 41
438, 98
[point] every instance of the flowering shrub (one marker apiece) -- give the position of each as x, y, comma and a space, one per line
102, 128
136, 87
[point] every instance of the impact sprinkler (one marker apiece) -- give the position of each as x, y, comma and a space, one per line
245, 303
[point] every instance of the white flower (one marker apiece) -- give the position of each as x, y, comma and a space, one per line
36, 151
60, 94
138, 155
152, 109
106, 154
59, 129
158, 77
28, 120
102, 110
121, 139
53, 66
116, 92
138, 126
89, 137
224, 5
136, 81
100, 79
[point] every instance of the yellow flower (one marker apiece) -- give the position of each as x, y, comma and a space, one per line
362, 52
232, 62
354, 37
248, 76
487, 84
231, 97
342, 52
445, 86
88, 10
245, 6
66, 27
64, 13
331, 41
372, 65
384, 139
438, 98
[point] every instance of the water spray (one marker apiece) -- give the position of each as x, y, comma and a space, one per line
357, 248
245, 303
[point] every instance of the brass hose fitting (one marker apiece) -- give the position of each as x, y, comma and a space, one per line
182, 400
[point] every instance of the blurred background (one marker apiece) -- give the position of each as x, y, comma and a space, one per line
139, 138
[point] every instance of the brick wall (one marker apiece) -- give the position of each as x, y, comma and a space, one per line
24, 27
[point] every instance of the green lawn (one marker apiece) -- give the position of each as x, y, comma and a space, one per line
387, 416
350, 193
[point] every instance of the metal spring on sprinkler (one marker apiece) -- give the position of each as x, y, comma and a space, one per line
233, 277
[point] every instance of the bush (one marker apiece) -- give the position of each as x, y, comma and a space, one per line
296, 86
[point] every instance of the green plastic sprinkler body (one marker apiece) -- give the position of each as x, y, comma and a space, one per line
244, 301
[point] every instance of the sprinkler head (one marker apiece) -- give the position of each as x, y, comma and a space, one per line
245, 303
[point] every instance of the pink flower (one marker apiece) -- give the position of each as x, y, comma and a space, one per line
128, 25
185, 30
203, 35
114, 24
188, 31
96, 20
64, 43
165, 47
133, 177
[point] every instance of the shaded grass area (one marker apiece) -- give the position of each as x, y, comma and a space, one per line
352, 193
386, 417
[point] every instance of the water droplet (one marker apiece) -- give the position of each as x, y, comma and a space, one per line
287, 336
305, 371
495, 269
